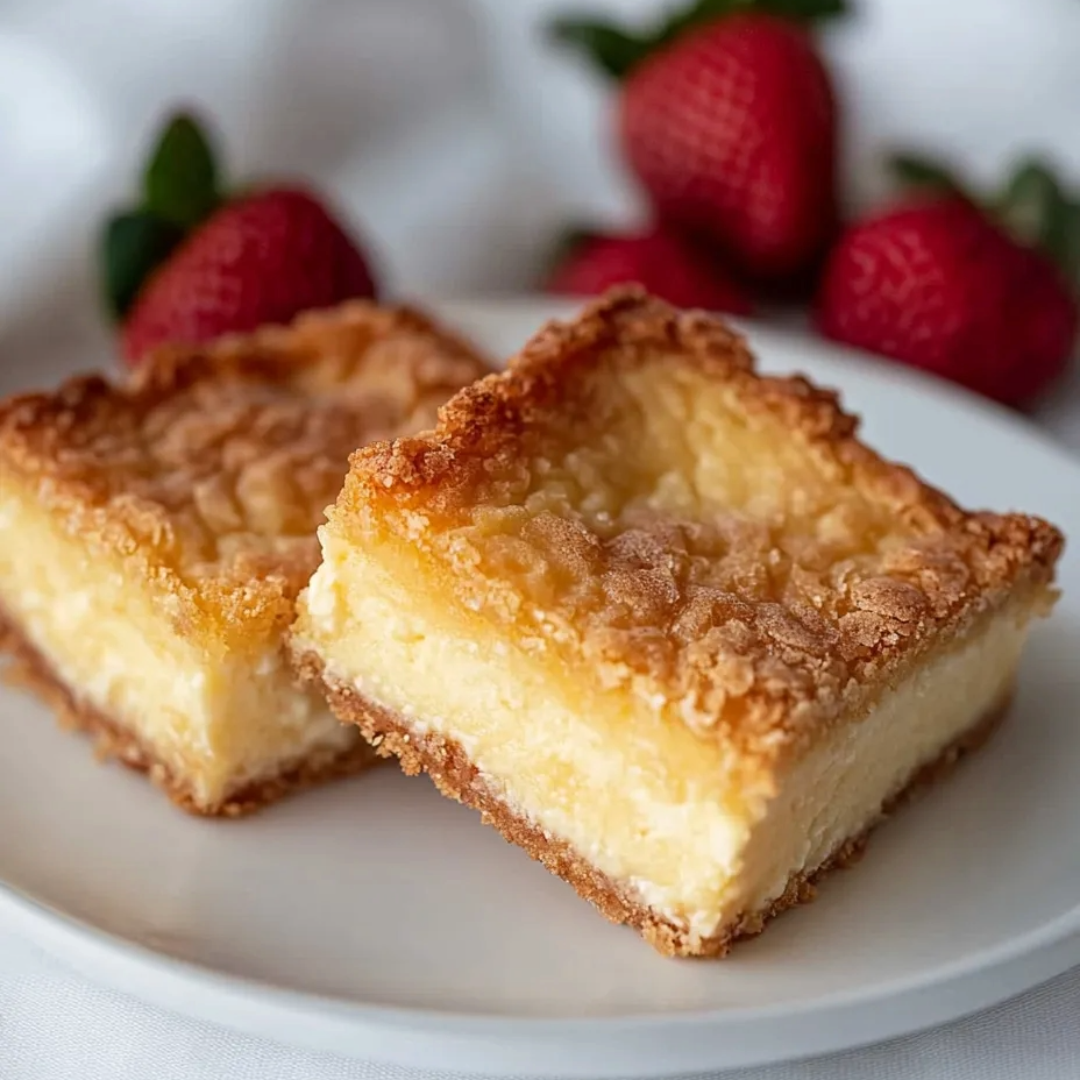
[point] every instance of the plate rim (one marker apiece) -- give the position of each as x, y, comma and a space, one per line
545, 1047
722, 1038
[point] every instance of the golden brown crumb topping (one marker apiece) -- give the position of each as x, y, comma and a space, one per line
633, 495
213, 466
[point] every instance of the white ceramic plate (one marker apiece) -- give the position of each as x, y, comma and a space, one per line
375, 919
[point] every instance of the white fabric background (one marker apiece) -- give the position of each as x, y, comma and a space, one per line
458, 144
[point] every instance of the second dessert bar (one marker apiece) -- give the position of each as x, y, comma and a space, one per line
666, 622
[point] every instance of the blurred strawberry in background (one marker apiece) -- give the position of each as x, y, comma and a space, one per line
192, 262
667, 263
980, 293
727, 117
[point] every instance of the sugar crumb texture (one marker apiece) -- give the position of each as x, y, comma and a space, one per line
212, 467
632, 495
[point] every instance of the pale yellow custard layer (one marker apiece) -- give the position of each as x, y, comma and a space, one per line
217, 719
645, 800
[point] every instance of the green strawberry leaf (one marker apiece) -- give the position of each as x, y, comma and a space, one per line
801, 10
617, 51
180, 185
1038, 212
565, 245
133, 244
913, 171
1031, 202
1070, 245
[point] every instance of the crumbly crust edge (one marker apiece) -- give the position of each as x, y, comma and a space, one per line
449, 767
28, 668
266, 353
483, 423
36, 429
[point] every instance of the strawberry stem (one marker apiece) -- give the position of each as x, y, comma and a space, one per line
617, 51
913, 171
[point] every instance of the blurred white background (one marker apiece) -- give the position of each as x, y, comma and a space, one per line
451, 135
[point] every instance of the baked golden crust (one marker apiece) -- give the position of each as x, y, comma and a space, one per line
113, 740
210, 470
448, 765
560, 511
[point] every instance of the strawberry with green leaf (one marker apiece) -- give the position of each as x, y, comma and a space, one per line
728, 119
192, 262
982, 292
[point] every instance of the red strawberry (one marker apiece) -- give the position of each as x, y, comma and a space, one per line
665, 263
944, 285
257, 260
189, 266
729, 122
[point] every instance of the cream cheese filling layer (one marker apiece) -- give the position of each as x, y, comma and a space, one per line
642, 799
836, 791
217, 722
